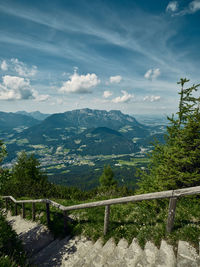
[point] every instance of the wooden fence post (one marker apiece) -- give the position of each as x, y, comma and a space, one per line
6, 204
15, 209
106, 219
48, 214
65, 220
23, 210
33, 211
171, 214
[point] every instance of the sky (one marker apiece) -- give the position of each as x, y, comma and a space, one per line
124, 55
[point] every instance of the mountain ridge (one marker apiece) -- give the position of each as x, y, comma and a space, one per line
71, 123
11, 120
34, 114
73, 146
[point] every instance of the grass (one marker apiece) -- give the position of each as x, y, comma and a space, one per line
57, 167
145, 221
6, 261
134, 161
22, 141
66, 171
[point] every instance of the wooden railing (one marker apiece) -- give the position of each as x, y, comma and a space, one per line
173, 195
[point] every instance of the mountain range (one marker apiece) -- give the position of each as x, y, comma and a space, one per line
83, 131
11, 121
73, 140
35, 114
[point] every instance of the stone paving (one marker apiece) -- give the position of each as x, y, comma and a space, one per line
78, 251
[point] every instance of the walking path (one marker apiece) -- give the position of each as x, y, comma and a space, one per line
78, 251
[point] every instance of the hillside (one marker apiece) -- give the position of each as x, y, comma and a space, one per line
72, 130
12, 121
104, 141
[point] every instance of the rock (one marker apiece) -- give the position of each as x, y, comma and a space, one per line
187, 255
78, 251
151, 253
135, 256
166, 256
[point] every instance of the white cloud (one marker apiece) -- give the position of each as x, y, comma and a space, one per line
14, 87
40, 98
80, 83
124, 98
115, 79
22, 69
151, 98
107, 94
172, 6
148, 74
18, 88
152, 74
4, 65
194, 6
19, 67
155, 74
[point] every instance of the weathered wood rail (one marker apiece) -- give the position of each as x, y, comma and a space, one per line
173, 195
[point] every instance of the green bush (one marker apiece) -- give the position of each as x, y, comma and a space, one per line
6, 261
10, 245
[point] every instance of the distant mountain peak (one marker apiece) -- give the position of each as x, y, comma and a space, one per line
34, 114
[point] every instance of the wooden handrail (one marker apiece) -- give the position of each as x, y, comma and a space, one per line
172, 194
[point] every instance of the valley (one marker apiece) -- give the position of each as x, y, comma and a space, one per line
73, 147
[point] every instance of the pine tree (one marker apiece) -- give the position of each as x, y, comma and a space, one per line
4, 173
28, 178
176, 164
107, 177
3, 151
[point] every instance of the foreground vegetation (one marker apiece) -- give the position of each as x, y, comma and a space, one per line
145, 220
11, 250
175, 164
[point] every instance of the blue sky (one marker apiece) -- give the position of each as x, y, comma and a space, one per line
104, 54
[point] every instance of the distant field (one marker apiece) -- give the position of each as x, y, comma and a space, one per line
85, 173
134, 161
